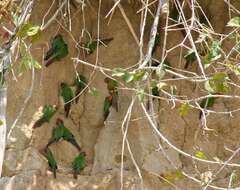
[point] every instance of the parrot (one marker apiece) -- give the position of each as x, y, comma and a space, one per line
51, 161
78, 164
106, 106
69, 137
47, 113
57, 132
68, 95
91, 46
80, 83
206, 103
112, 87
58, 50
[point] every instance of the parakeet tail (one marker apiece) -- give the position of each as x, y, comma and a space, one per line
38, 123
67, 108
54, 173
49, 54
115, 101
74, 143
50, 61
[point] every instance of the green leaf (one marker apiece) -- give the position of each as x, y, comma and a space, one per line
140, 95
128, 77
79, 163
160, 72
28, 30
33, 30
234, 22
200, 154
93, 91
184, 109
118, 72
173, 90
218, 83
213, 54
140, 75
35, 64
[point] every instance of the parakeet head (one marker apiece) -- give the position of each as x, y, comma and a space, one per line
59, 121
63, 84
58, 37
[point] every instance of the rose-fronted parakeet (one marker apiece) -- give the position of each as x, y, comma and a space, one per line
80, 83
47, 113
61, 132
67, 95
112, 86
106, 106
78, 164
58, 50
51, 161
57, 132
91, 46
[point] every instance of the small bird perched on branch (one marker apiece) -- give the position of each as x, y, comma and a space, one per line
58, 50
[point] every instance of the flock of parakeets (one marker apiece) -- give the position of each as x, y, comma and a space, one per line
70, 94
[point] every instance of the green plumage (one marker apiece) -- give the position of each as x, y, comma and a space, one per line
58, 50
80, 83
61, 132
68, 95
68, 136
57, 133
47, 113
106, 106
78, 164
51, 161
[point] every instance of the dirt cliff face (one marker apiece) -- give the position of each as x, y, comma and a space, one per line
26, 168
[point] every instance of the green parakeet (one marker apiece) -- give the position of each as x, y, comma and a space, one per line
68, 95
47, 113
78, 164
106, 106
91, 46
58, 50
57, 132
80, 83
68, 136
112, 87
51, 161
